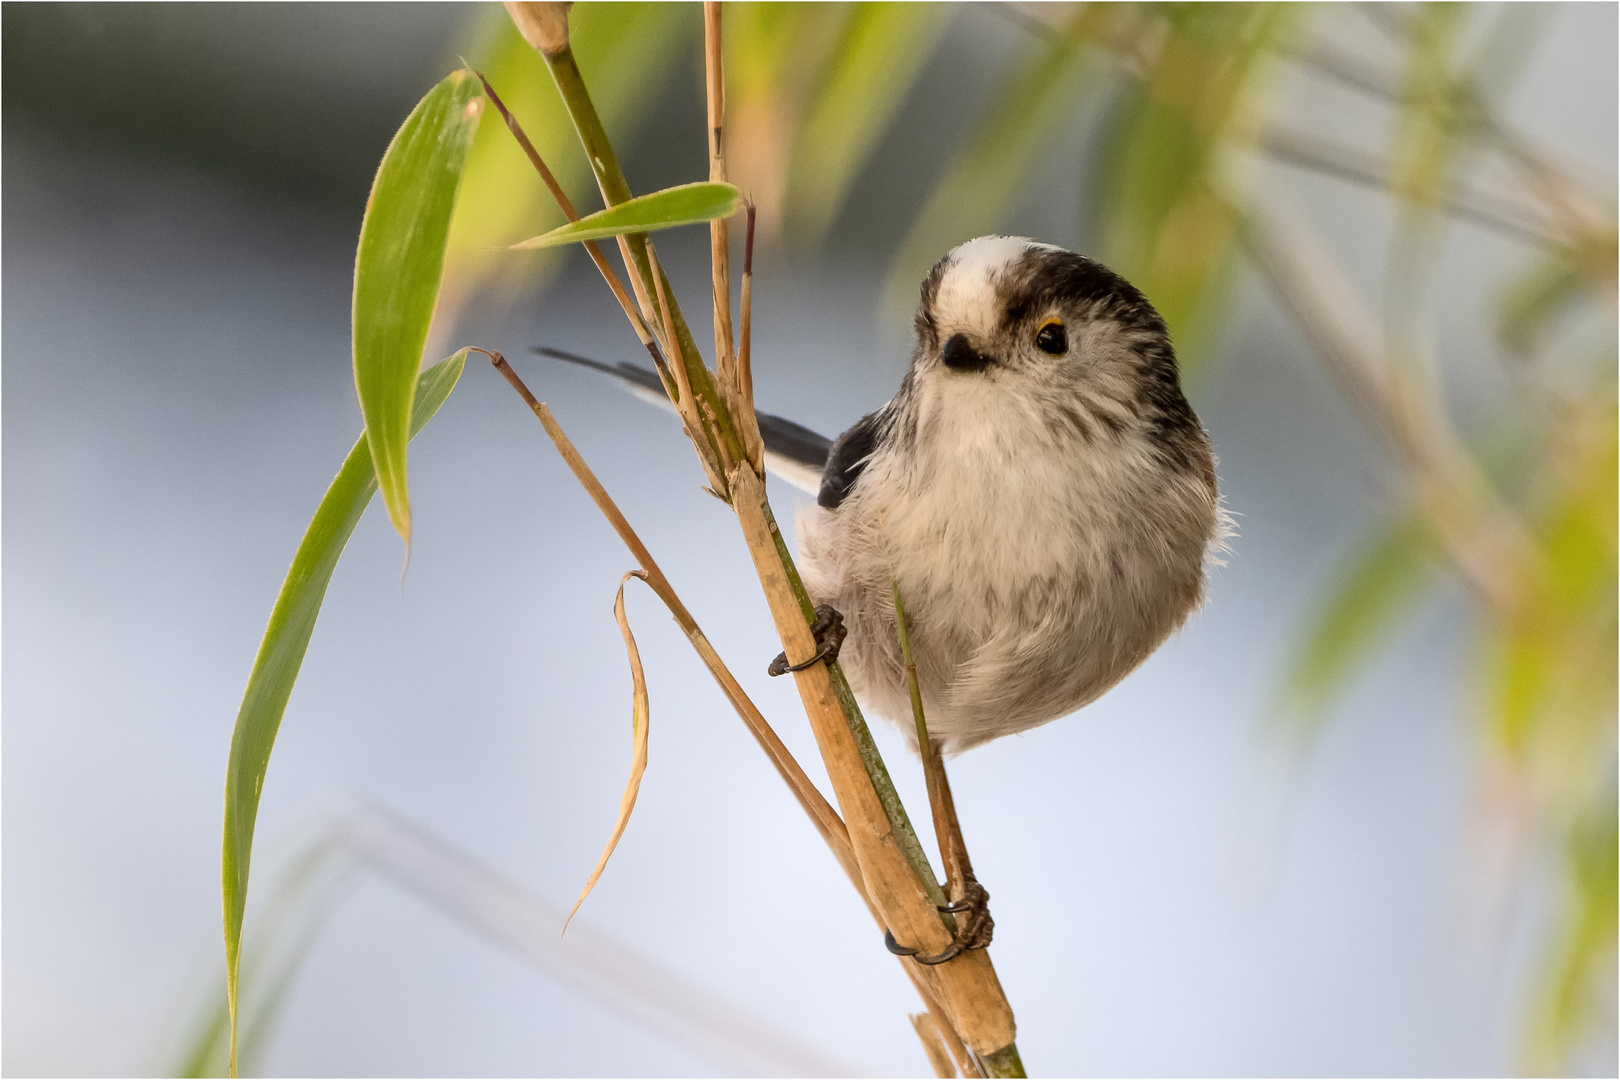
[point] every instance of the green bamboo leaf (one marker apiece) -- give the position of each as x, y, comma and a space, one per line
397, 270
292, 621
688, 204
1382, 583
1549, 672
1536, 300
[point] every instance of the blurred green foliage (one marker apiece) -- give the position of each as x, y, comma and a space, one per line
1164, 221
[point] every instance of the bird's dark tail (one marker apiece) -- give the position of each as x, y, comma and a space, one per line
792, 451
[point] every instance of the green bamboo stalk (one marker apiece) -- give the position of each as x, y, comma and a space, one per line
1004, 1062
615, 189
893, 808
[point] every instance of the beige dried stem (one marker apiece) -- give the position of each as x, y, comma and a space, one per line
720, 228
895, 873
971, 998
927, 1029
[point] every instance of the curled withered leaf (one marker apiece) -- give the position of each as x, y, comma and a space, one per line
640, 715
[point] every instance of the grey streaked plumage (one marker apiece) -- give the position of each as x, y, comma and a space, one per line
1047, 517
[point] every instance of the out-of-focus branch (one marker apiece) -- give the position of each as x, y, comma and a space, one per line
1484, 539
1560, 211
1573, 208
1507, 216
527, 926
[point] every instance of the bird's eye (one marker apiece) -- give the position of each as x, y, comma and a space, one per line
1052, 338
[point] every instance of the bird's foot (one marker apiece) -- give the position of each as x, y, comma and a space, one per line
829, 634
974, 926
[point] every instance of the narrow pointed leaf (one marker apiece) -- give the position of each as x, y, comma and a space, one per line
689, 204
292, 621
397, 270
640, 716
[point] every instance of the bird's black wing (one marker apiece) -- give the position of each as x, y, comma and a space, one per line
792, 451
848, 457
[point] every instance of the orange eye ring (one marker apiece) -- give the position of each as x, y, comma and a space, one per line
1052, 338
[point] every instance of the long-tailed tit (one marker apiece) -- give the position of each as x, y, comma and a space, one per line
1039, 489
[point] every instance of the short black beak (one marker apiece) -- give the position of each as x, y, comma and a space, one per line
960, 356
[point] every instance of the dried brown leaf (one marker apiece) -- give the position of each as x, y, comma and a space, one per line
640, 717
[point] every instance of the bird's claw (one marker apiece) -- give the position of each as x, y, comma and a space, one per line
973, 931
829, 634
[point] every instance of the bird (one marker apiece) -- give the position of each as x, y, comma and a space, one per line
1039, 489
1040, 494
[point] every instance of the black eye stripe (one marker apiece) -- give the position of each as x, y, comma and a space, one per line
1052, 338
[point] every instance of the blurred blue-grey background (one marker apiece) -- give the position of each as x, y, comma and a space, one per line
1177, 891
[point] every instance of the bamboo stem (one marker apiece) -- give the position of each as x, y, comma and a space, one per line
885, 845
1003, 1062
701, 426
727, 371
933, 1044
745, 368
680, 347
966, 1063
953, 852
719, 229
